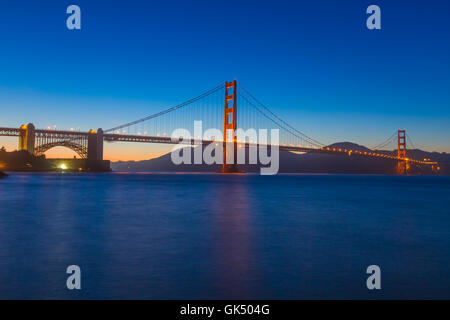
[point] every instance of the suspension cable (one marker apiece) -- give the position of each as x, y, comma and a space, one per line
410, 141
386, 142
168, 110
265, 115
284, 122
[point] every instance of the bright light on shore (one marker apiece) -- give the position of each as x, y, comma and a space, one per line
63, 166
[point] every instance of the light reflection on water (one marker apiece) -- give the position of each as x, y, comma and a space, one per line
223, 236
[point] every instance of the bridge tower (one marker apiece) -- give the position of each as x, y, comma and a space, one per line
402, 165
27, 138
229, 129
95, 145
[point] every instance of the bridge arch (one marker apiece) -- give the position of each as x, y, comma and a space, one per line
78, 148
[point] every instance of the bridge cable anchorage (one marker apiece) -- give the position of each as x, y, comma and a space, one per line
179, 106
315, 142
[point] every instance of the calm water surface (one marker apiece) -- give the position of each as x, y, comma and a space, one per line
189, 236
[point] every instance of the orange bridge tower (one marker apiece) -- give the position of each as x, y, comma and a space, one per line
402, 165
229, 129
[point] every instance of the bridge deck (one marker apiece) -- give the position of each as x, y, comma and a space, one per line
168, 140
9, 132
328, 150
15, 132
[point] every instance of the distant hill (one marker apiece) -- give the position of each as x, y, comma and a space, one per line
299, 163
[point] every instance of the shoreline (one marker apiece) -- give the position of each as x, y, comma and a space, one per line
215, 173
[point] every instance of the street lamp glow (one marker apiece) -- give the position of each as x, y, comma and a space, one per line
63, 166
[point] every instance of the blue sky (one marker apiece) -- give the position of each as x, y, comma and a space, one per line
313, 62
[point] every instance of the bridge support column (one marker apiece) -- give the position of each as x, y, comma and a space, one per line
229, 129
27, 138
402, 165
95, 145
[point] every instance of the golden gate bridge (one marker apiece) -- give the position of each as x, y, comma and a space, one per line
220, 107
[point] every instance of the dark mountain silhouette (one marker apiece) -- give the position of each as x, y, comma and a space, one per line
300, 163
